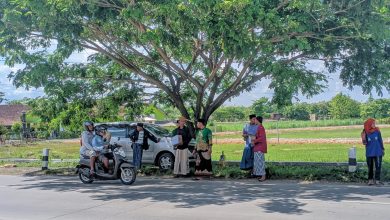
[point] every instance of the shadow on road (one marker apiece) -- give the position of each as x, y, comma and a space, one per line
271, 196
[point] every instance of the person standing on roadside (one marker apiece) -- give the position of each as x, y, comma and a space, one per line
259, 149
140, 142
248, 133
375, 150
203, 149
181, 155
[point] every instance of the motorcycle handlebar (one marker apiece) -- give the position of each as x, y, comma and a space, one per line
113, 146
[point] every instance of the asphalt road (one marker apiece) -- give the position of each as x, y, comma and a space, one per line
54, 197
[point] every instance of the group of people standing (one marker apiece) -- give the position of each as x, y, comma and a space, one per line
253, 157
93, 142
202, 151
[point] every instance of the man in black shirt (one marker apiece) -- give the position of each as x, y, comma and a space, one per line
181, 158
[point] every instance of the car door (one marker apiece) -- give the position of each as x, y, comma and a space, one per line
119, 135
148, 155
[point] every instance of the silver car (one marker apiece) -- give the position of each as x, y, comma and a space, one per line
161, 154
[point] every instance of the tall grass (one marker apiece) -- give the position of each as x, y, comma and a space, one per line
336, 133
238, 126
296, 152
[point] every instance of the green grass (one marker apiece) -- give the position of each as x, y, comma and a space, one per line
338, 133
58, 150
308, 173
237, 126
295, 152
276, 152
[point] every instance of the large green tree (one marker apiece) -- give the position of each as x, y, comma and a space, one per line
198, 53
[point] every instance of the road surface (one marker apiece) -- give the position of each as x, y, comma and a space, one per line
56, 197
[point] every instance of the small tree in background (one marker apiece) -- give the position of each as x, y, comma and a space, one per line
344, 107
299, 111
321, 109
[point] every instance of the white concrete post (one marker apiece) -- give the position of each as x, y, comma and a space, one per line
352, 159
45, 159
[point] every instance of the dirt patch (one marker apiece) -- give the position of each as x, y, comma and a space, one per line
35, 171
17, 170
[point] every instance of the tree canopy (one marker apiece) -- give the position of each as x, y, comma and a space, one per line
196, 53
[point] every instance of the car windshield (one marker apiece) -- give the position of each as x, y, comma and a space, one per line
160, 131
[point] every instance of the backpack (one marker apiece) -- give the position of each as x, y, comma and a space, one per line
364, 137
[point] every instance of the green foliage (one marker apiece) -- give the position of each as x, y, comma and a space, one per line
263, 107
3, 130
321, 109
379, 108
230, 113
299, 111
69, 114
197, 53
343, 107
153, 110
17, 128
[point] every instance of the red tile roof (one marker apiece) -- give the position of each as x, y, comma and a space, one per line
10, 114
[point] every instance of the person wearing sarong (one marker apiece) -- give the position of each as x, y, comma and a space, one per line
181, 167
248, 133
203, 149
259, 149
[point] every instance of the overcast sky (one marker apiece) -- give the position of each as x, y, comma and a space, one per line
245, 99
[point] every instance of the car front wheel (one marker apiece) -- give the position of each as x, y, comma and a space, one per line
166, 161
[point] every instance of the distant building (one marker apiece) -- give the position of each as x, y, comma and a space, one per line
275, 116
11, 114
313, 117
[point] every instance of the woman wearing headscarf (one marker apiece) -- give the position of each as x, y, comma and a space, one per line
375, 150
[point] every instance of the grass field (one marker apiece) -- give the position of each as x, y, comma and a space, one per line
276, 152
337, 133
233, 152
237, 126
58, 150
296, 152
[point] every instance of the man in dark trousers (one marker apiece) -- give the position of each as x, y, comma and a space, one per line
140, 142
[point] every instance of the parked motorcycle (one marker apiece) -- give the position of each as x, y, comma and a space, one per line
119, 167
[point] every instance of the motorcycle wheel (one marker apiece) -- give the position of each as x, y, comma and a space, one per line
128, 175
84, 178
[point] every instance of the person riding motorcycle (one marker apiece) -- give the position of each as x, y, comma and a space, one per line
99, 144
86, 149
